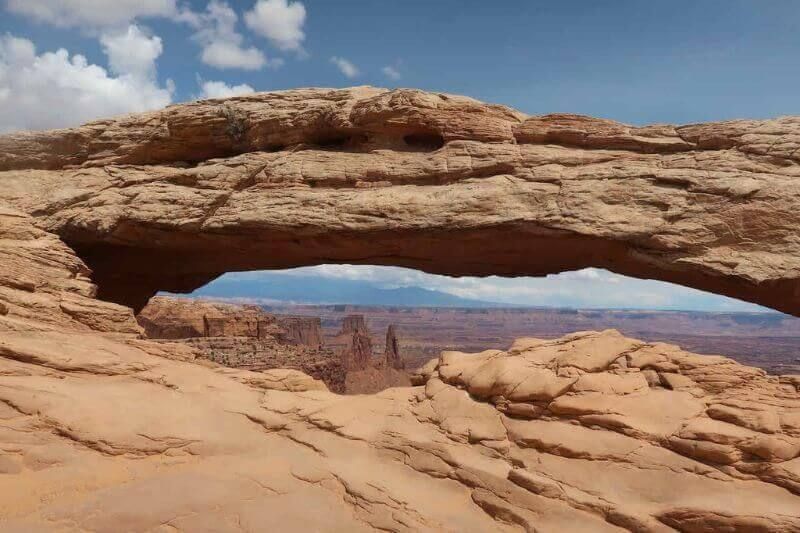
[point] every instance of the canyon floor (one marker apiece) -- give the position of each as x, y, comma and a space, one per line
766, 340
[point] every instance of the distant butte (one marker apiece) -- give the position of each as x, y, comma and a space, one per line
244, 336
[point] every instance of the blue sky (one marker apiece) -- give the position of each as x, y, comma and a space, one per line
583, 289
634, 61
63, 62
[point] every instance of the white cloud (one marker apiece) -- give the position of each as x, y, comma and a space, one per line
56, 89
222, 54
586, 273
280, 21
222, 44
220, 89
391, 73
215, 28
91, 13
346, 67
587, 288
132, 52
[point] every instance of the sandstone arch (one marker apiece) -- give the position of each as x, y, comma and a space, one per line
171, 199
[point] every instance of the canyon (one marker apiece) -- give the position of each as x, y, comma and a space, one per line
244, 336
103, 428
766, 340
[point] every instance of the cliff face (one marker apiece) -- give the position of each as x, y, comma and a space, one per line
353, 343
303, 331
263, 354
179, 318
244, 336
391, 354
171, 199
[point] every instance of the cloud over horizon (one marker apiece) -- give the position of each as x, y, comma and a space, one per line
587, 288
220, 89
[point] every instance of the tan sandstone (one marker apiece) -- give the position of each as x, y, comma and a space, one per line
169, 200
104, 430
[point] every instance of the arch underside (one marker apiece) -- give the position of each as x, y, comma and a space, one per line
170, 200
126, 275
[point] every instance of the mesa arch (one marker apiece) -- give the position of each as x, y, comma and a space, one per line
169, 200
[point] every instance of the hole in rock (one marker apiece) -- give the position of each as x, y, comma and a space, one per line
339, 140
360, 328
428, 141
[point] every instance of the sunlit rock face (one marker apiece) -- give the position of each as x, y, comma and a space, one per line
591, 432
171, 199
102, 429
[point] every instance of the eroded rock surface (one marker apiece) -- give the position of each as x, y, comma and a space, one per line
353, 343
244, 336
171, 199
182, 318
302, 330
104, 430
391, 351
101, 430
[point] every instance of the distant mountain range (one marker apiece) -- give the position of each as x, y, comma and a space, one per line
320, 290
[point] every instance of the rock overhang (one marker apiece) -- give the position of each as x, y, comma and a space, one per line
169, 200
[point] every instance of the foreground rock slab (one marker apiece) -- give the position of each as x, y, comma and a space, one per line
171, 199
140, 441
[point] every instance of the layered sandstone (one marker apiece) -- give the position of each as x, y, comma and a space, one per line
391, 352
353, 343
168, 200
181, 318
244, 336
591, 432
104, 430
366, 373
101, 430
268, 353
302, 330
247, 337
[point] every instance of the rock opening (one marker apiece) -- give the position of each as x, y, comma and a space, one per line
475, 189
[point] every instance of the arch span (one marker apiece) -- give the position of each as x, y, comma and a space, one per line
171, 199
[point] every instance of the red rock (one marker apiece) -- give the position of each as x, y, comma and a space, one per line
244, 336
391, 354
104, 430
353, 343
302, 330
